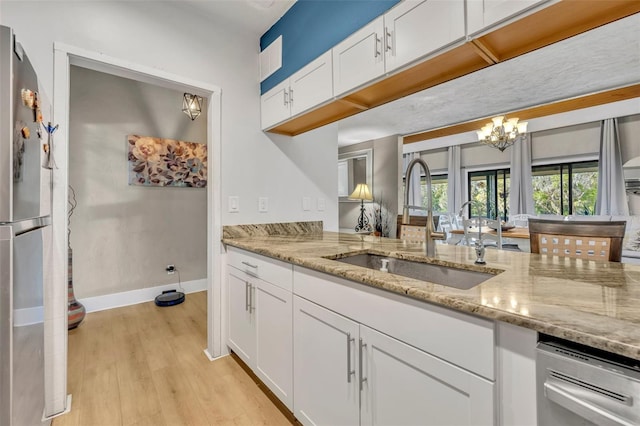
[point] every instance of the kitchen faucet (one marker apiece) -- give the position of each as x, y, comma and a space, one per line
479, 244
430, 234
465, 204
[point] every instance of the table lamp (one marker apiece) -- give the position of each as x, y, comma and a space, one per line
362, 193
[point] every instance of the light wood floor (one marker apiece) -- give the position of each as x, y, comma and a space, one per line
144, 365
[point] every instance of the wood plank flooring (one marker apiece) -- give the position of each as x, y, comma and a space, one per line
144, 365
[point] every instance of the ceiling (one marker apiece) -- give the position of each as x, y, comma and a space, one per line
601, 59
255, 16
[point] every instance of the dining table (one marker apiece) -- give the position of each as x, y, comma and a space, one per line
516, 232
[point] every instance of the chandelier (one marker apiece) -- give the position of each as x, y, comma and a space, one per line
501, 133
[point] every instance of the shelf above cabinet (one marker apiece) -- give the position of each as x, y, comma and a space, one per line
541, 28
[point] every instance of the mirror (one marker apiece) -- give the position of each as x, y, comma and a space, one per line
354, 168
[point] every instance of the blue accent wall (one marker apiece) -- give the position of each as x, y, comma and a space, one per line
311, 27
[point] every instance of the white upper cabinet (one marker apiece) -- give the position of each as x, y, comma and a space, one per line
482, 14
274, 105
310, 86
359, 58
408, 32
414, 29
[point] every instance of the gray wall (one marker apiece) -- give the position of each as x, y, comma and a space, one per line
124, 236
385, 181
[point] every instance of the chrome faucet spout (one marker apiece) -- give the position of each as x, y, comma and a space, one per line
465, 204
430, 233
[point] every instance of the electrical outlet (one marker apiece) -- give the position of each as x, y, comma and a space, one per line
171, 269
321, 204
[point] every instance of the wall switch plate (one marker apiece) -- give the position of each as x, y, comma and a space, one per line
306, 203
263, 204
234, 204
321, 205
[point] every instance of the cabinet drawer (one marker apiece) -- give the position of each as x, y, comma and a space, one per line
267, 269
459, 338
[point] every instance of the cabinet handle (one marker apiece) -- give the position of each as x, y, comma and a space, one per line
291, 95
376, 50
388, 39
252, 297
350, 372
286, 99
250, 265
360, 348
246, 296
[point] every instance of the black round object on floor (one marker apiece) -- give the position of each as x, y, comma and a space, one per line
169, 298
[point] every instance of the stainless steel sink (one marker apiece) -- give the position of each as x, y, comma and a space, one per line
445, 275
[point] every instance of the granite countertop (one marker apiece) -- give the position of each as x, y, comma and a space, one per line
589, 302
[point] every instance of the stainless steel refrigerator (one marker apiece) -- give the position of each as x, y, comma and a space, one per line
25, 235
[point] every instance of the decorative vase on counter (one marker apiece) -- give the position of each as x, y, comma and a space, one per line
76, 310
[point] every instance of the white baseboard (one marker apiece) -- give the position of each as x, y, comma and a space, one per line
28, 316
133, 297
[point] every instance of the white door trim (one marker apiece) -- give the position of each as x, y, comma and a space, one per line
56, 305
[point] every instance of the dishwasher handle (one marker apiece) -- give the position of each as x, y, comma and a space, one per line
582, 408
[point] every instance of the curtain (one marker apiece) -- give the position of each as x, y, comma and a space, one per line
454, 178
521, 188
612, 197
415, 192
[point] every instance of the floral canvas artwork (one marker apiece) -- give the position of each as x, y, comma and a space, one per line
166, 162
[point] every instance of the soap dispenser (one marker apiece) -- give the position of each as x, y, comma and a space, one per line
385, 265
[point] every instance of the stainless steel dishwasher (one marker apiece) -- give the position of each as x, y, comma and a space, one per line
582, 386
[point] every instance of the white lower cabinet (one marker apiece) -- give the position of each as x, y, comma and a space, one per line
347, 373
260, 330
405, 386
336, 352
242, 331
274, 340
325, 382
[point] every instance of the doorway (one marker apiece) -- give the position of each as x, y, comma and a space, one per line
55, 301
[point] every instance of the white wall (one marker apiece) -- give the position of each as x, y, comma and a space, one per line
172, 37
123, 236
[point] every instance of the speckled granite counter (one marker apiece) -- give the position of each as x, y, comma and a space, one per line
593, 303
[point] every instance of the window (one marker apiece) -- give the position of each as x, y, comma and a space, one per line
565, 189
490, 191
439, 188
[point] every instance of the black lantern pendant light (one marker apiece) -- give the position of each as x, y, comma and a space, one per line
192, 105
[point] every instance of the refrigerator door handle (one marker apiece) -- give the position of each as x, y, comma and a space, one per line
28, 225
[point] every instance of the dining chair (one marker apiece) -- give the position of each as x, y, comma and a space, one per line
420, 221
593, 240
412, 233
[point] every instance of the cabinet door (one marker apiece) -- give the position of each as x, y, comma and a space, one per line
325, 370
312, 85
274, 337
482, 14
417, 28
275, 105
405, 386
359, 59
242, 335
